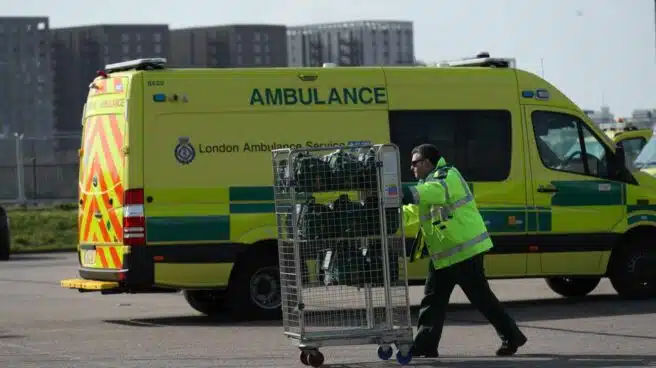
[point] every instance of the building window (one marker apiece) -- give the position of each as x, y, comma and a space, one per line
137, 37
158, 48
125, 37
256, 37
157, 37
257, 48
258, 60
126, 48
477, 142
138, 50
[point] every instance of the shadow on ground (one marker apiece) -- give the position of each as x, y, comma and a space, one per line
10, 336
522, 361
190, 321
26, 257
458, 314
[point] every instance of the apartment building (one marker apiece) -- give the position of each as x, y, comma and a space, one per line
227, 46
78, 52
25, 75
365, 42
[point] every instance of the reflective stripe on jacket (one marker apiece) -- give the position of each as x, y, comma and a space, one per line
444, 207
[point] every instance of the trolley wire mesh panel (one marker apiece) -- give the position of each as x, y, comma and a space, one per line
342, 249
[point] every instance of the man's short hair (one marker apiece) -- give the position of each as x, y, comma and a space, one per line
429, 152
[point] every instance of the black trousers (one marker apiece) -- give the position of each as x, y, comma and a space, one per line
470, 276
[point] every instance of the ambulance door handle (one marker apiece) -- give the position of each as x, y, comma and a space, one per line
97, 215
547, 189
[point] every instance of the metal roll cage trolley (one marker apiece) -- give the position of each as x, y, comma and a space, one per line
341, 249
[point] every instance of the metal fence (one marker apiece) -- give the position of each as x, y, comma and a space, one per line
38, 170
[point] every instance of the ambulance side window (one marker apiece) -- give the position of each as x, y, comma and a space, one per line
477, 142
565, 143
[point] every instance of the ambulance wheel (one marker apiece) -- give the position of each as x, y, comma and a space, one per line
209, 302
633, 272
572, 286
254, 290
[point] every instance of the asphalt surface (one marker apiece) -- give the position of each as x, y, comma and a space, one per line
43, 325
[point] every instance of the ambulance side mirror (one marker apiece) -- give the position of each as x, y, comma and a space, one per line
620, 156
618, 164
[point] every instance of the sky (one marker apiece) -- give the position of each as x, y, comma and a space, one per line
596, 51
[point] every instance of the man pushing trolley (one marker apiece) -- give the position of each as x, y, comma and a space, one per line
455, 238
342, 251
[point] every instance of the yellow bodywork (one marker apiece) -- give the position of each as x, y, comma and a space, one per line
218, 195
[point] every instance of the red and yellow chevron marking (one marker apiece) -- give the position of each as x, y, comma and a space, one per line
108, 257
108, 85
100, 220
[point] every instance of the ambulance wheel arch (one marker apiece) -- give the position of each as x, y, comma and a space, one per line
632, 265
254, 285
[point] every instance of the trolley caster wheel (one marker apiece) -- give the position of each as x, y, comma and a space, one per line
385, 354
403, 359
315, 358
304, 358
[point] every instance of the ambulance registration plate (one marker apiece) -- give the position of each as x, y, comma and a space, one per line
88, 257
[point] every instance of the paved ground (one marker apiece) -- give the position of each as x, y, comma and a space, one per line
42, 325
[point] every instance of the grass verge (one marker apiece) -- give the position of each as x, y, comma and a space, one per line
35, 230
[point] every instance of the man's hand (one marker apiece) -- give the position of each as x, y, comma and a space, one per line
406, 196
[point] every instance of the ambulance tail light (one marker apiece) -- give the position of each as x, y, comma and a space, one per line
134, 220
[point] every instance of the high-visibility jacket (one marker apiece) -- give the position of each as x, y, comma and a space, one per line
452, 229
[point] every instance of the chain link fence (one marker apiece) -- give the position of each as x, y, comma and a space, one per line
39, 170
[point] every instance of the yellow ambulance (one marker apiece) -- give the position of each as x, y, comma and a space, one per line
632, 139
646, 160
176, 174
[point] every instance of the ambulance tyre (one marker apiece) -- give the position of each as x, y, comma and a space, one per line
632, 271
254, 290
209, 302
572, 286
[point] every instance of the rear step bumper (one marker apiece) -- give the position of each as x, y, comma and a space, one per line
108, 287
109, 281
89, 285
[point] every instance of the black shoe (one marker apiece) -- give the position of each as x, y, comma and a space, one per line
423, 354
509, 347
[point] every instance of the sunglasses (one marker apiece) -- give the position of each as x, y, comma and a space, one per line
415, 162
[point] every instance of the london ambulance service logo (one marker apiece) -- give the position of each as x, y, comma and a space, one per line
184, 151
